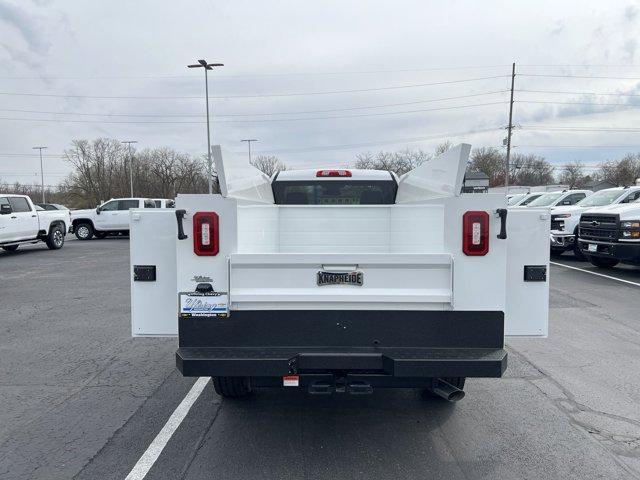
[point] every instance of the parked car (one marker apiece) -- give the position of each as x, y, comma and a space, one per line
611, 235
23, 222
564, 198
523, 199
110, 218
565, 219
51, 206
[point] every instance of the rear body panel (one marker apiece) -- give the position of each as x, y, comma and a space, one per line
416, 307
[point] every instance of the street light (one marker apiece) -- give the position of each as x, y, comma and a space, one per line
249, 140
129, 142
41, 171
207, 66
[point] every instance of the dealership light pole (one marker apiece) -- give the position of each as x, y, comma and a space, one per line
207, 66
129, 142
41, 171
249, 140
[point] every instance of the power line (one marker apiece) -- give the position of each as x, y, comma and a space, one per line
627, 105
546, 75
349, 146
291, 94
582, 93
36, 120
579, 146
144, 115
579, 129
266, 74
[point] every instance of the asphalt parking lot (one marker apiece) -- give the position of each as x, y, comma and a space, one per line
82, 399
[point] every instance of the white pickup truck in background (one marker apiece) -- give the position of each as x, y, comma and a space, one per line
22, 222
611, 235
341, 280
565, 219
110, 218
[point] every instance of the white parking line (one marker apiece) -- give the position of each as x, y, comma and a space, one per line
149, 457
598, 274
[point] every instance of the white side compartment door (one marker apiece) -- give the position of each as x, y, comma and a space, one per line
439, 177
527, 302
238, 179
154, 303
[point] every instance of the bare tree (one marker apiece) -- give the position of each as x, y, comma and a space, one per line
101, 171
398, 162
531, 169
621, 172
443, 147
490, 161
269, 164
573, 175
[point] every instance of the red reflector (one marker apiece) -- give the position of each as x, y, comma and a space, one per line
475, 233
333, 173
205, 233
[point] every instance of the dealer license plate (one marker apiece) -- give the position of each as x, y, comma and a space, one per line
592, 247
193, 304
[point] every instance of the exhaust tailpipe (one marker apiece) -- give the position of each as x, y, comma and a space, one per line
446, 390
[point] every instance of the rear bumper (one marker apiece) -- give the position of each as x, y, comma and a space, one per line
390, 348
623, 252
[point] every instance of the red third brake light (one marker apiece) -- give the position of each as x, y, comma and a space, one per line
333, 173
205, 233
475, 233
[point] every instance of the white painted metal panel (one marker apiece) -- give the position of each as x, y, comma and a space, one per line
191, 266
439, 177
154, 307
527, 310
478, 281
390, 281
238, 179
416, 229
258, 229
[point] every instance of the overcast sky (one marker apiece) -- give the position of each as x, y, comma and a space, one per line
410, 73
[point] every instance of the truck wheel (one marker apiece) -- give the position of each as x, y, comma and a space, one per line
576, 246
603, 262
55, 239
100, 235
231, 387
83, 231
11, 248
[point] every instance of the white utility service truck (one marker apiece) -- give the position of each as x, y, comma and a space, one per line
340, 280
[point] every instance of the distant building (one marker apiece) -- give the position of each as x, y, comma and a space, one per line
475, 182
596, 185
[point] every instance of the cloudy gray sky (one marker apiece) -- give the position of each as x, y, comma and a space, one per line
317, 82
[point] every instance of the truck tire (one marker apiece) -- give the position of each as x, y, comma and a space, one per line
83, 231
11, 248
603, 262
231, 387
55, 239
576, 246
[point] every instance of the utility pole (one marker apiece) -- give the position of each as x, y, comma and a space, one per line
207, 66
509, 129
249, 140
129, 142
41, 171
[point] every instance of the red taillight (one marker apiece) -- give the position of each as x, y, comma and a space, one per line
333, 173
205, 233
475, 233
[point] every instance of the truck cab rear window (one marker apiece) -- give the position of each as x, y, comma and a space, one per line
335, 192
